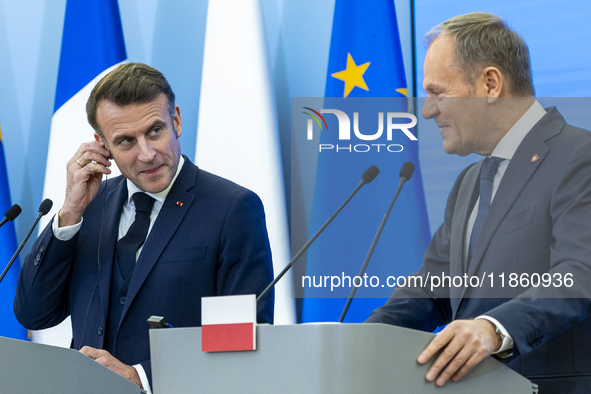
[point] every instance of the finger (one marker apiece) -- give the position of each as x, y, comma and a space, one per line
447, 354
455, 364
94, 147
107, 360
90, 352
477, 357
83, 174
81, 161
89, 157
95, 168
104, 359
441, 340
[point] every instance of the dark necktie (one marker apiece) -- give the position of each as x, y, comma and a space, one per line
487, 175
136, 235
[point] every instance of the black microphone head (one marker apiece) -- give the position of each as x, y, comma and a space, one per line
13, 212
370, 174
45, 206
407, 169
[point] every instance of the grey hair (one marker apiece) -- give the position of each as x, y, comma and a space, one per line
483, 39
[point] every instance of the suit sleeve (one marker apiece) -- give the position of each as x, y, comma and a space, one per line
244, 265
541, 313
41, 299
420, 307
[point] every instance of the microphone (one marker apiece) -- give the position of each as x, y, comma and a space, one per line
44, 208
11, 214
368, 176
405, 174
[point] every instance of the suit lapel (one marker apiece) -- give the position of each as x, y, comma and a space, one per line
518, 173
520, 170
167, 222
107, 240
467, 196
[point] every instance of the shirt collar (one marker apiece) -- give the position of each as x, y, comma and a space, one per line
160, 196
506, 148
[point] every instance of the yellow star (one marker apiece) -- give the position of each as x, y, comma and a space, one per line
403, 91
353, 75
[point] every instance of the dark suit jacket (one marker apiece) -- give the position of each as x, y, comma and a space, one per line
209, 239
539, 222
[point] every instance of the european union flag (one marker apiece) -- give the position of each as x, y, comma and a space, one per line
365, 61
9, 326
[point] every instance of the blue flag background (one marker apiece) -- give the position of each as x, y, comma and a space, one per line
364, 32
91, 43
9, 326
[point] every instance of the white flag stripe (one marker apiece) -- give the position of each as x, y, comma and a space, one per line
228, 309
237, 135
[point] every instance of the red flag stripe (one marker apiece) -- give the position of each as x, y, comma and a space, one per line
227, 337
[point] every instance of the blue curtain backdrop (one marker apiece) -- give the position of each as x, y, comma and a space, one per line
364, 32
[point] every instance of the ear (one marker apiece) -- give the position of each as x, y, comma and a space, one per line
98, 138
177, 122
492, 82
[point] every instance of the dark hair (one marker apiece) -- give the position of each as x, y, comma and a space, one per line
129, 83
483, 39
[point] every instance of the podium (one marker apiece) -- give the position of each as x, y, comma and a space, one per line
316, 358
27, 368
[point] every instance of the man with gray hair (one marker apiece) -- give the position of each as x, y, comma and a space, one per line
521, 212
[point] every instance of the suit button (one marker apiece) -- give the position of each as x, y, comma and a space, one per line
122, 300
100, 330
536, 342
39, 254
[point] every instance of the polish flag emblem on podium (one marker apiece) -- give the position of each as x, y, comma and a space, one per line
228, 323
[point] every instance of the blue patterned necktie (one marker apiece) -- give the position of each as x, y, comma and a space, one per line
136, 235
487, 175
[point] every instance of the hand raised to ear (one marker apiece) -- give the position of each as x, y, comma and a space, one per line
84, 173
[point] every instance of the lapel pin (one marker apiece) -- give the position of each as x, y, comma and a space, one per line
180, 204
535, 158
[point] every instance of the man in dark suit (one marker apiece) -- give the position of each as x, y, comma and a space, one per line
522, 210
206, 236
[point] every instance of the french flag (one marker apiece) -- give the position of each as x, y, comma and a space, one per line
92, 45
237, 131
228, 323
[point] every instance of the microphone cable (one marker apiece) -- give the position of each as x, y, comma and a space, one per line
98, 259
